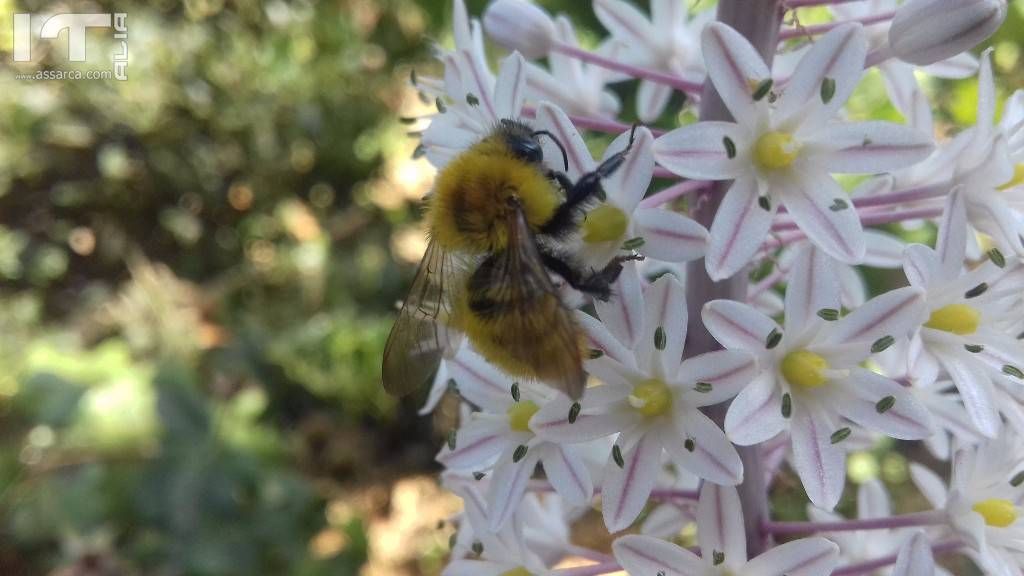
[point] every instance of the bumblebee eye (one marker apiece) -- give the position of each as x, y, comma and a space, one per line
527, 149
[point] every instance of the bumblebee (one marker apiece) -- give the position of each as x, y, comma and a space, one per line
495, 219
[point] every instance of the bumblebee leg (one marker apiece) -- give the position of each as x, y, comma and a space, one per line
596, 283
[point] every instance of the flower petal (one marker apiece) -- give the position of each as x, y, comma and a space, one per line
755, 415
665, 320
625, 22
863, 389
720, 518
870, 147
929, 484
651, 99
739, 229
735, 68
952, 242
820, 464
551, 422
727, 371
837, 56
625, 489
812, 203
508, 484
915, 557
670, 236
480, 382
921, 266
554, 120
894, 313
510, 88
646, 555
975, 388
812, 286
699, 150
873, 500
623, 313
884, 250
628, 184
805, 557
737, 326
713, 458
568, 474
601, 339
478, 443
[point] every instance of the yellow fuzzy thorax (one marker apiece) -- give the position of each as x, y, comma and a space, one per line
470, 206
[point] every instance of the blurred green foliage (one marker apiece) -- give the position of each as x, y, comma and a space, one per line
198, 269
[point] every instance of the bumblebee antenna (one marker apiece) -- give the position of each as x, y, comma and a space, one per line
565, 157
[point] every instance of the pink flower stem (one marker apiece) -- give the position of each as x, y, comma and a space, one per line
871, 566
759, 23
672, 192
687, 86
930, 518
874, 218
904, 196
590, 570
801, 31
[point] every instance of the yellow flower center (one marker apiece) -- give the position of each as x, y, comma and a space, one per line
997, 512
775, 150
605, 223
517, 572
956, 318
519, 415
1018, 177
805, 369
651, 397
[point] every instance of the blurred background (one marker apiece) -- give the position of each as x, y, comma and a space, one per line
198, 269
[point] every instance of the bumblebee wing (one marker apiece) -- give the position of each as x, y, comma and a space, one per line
419, 337
542, 331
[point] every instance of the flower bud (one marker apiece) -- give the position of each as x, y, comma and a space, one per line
520, 25
927, 31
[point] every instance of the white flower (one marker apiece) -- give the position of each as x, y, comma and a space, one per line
983, 502
862, 546
499, 436
667, 41
576, 87
520, 25
656, 233
810, 377
723, 547
784, 153
476, 102
650, 396
962, 332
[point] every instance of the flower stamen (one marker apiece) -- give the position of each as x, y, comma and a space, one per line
651, 397
519, 415
955, 318
997, 512
805, 369
775, 150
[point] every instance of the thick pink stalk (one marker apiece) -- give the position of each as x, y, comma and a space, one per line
931, 518
690, 88
759, 22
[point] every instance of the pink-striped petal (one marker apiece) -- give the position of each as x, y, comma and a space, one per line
647, 555
651, 99
700, 150
670, 236
812, 286
735, 68
755, 415
551, 422
712, 457
625, 489
952, 242
895, 313
738, 326
921, 266
869, 147
510, 88
477, 445
568, 474
861, 393
665, 325
508, 484
624, 21
929, 484
836, 57
720, 518
805, 557
739, 229
975, 388
628, 184
726, 371
623, 313
820, 464
915, 558
812, 202
554, 120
